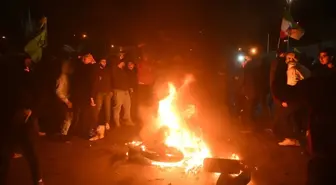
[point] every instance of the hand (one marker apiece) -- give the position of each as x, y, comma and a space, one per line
92, 102
69, 104
284, 104
27, 113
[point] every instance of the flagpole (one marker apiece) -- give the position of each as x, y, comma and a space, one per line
268, 42
289, 2
279, 40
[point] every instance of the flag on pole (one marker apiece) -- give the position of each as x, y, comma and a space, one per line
290, 28
35, 46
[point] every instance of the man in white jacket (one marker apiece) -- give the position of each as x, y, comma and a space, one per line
295, 73
63, 93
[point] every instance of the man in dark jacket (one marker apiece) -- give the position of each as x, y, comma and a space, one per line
133, 76
251, 91
317, 94
121, 93
326, 65
21, 120
82, 88
101, 94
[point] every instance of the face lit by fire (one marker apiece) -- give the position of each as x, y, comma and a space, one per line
102, 63
130, 65
324, 58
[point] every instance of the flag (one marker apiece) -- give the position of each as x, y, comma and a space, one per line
29, 25
290, 28
35, 46
296, 50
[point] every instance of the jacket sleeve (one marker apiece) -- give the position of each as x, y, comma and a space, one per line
93, 81
304, 72
62, 88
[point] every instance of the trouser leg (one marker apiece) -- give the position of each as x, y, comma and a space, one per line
99, 103
5, 157
127, 108
107, 107
118, 101
28, 143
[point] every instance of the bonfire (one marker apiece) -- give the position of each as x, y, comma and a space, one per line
177, 145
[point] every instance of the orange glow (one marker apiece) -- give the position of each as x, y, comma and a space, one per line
254, 51
179, 136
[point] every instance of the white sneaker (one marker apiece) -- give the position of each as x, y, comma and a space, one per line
289, 142
100, 133
107, 126
40, 182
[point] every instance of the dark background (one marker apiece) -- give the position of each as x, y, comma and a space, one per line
215, 25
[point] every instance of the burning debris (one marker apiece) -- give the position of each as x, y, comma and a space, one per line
177, 145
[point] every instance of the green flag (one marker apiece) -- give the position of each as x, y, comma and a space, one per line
35, 46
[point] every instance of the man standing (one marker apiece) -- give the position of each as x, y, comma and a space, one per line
318, 94
249, 90
326, 65
132, 71
101, 94
121, 93
63, 94
20, 129
145, 80
295, 73
82, 94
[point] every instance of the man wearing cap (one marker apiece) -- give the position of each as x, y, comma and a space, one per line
82, 95
121, 92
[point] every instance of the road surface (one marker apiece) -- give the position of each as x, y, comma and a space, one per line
86, 163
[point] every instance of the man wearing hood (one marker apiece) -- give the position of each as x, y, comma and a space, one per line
121, 86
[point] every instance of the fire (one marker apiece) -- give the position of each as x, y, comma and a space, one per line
179, 135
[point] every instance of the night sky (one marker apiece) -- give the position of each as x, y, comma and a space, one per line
218, 23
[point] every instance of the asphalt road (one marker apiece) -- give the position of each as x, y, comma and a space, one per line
103, 162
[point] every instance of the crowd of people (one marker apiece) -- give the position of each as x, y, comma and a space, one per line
86, 98
302, 104
81, 101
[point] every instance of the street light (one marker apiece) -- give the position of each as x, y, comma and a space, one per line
241, 58
112, 46
84, 36
253, 51
289, 2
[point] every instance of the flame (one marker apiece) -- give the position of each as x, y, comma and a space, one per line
178, 134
